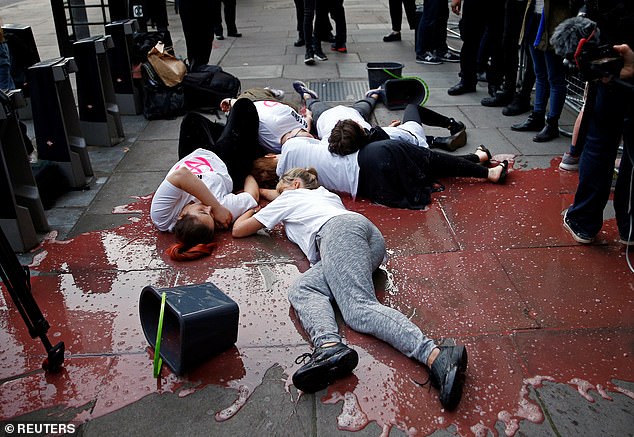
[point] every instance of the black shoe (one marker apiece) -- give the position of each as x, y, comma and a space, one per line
235, 34
393, 36
549, 132
501, 98
329, 37
519, 105
447, 374
220, 37
301, 42
461, 88
309, 57
325, 365
455, 126
319, 54
451, 143
534, 123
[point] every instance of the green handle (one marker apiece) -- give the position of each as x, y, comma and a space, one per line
389, 73
158, 361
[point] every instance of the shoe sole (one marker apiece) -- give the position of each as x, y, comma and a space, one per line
321, 377
575, 237
459, 141
309, 61
569, 167
321, 58
428, 62
455, 379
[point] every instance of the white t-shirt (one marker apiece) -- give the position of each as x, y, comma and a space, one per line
329, 118
409, 132
302, 212
335, 172
169, 201
276, 119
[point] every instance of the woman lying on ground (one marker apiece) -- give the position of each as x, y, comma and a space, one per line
327, 117
344, 249
197, 193
391, 172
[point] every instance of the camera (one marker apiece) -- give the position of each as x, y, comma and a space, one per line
594, 61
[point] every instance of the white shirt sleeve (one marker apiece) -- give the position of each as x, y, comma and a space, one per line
167, 203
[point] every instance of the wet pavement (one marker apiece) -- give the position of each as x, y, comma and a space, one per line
548, 323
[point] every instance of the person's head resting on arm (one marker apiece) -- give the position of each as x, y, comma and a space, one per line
298, 178
194, 230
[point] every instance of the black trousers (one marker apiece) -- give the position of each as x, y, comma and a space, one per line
478, 16
237, 144
197, 29
396, 13
230, 17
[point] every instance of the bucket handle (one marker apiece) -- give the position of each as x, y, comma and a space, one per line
389, 73
158, 361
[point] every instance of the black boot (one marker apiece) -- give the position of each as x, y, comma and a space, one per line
519, 105
501, 98
534, 122
549, 132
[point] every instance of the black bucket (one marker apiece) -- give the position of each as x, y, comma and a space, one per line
398, 93
199, 321
379, 72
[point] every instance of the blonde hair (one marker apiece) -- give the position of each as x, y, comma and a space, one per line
307, 176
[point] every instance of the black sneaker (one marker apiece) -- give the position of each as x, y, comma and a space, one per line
447, 374
325, 365
302, 89
579, 237
309, 58
429, 59
320, 55
449, 57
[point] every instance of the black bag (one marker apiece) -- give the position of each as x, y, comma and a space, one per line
144, 41
207, 86
159, 100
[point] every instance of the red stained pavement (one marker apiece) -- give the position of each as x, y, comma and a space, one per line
487, 265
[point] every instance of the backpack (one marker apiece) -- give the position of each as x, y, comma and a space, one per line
159, 100
207, 86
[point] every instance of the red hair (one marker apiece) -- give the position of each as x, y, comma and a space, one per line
179, 252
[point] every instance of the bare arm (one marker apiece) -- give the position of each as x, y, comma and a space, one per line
188, 182
268, 194
246, 225
251, 187
455, 6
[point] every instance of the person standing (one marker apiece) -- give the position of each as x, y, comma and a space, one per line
550, 73
230, 19
396, 16
199, 34
431, 35
313, 44
612, 118
478, 17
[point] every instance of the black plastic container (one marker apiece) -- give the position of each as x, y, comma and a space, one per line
400, 92
199, 321
379, 72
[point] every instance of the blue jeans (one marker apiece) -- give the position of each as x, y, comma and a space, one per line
6, 82
550, 82
431, 33
612, 117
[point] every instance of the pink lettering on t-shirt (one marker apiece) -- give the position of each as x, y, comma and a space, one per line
270, 103
197, 165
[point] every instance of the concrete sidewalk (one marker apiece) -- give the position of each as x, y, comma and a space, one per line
549, 324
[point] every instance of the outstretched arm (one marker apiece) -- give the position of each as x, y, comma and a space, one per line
188, 182
246, 225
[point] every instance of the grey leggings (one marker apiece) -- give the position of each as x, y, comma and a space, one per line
351, 248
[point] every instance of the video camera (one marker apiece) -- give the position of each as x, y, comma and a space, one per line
577, 40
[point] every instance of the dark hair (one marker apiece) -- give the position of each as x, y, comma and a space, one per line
194, 240
264, 171
347, 137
